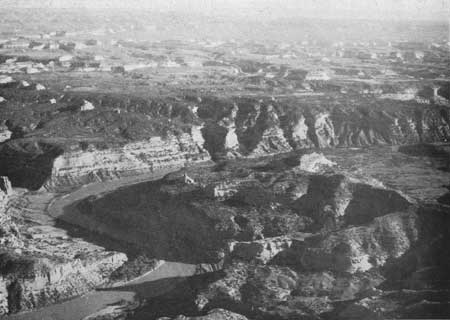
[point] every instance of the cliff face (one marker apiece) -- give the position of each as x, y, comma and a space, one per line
250, 127
33, 282
263, 128
74, 147
9, 234
36, 164
28, 163
42, 265
36, 282
81, 167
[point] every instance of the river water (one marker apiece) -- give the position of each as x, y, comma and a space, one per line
144, 287
153, 284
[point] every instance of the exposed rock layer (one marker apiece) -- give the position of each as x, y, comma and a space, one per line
33, 165
149, 135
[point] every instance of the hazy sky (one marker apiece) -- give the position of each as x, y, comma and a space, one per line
376, 9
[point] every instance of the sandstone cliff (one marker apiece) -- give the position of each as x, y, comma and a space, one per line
36, 164
42, 265
32, 281
266, 127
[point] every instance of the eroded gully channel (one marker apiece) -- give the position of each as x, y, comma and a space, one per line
158, 282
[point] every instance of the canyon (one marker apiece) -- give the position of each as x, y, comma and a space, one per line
158, 166
288, 235
218, 129
247, 202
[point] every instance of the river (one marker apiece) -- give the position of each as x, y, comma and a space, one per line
155, 283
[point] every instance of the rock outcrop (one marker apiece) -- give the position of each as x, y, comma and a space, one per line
315, 275
5, 185
315, 162
260, 132
157, 154
35, 165
279, 242
42, 265
314, 255
283, 256
295, 238
5, 134
9, 233
133, 135
33, 282
266, 127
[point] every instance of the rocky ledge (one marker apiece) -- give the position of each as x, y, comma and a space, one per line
53, 166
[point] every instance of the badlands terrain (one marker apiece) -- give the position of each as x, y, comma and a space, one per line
157, 166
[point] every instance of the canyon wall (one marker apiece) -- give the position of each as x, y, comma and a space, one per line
260, 128
156, 154
170, 135
42, 265
37, 164
31, 282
